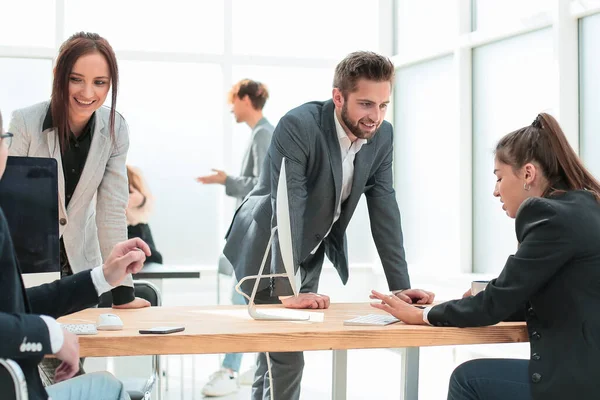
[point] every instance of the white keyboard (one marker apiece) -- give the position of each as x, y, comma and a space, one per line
372, 319
80, 329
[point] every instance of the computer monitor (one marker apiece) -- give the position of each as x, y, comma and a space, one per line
29, 199
286, 247
284, 231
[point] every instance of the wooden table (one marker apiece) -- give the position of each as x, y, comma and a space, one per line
229, 329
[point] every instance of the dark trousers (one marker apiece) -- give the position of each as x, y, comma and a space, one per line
286, 367
490, 379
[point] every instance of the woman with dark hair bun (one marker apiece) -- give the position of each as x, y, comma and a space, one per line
552, 281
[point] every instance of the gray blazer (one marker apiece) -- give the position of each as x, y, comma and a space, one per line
95, 219
306, 137
240, 186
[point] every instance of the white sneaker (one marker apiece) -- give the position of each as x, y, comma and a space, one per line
247, 378
221, 383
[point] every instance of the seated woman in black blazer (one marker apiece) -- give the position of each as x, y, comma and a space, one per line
552, 281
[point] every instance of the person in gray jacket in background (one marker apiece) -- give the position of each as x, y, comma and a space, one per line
247, 99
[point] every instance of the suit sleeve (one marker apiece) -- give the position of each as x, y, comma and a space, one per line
240, 186
64, 296
386, 226
21, 138
17, 331
290, 140
113, 195
544, 249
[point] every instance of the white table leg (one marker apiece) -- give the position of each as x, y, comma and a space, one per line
159, 381
410, 374
161, 374
340, 374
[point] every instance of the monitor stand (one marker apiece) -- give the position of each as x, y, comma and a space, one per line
269, 314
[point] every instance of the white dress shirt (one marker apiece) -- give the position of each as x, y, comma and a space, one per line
426, 315
348, 151
57, 337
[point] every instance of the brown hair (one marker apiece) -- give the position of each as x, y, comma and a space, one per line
135, 179
256, 91
545, 143
362, 65
74, 47
1, 126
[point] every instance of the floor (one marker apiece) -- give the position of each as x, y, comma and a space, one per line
372, 374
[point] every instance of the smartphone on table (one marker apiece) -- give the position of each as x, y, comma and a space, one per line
162, 330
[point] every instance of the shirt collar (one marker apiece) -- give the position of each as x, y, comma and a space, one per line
89, 127
260, 122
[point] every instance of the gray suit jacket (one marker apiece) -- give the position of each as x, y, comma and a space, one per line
95, 219
240, 186
306, 137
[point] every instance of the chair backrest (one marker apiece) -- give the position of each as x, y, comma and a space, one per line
148, 291
144, 289
12, 381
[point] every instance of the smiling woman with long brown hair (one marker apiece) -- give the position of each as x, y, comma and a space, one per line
90, 143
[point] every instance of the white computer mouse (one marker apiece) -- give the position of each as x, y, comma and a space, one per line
109, 322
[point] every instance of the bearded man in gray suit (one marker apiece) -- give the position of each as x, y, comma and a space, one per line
335, 151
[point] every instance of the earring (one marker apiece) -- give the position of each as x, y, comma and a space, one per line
526, 186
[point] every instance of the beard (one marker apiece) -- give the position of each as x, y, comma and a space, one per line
355, 128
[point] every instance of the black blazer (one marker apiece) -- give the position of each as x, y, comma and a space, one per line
553, 282
24, 336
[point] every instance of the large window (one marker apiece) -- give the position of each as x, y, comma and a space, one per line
20, 26
425, 26
176, 132
589, 92
23, 82
426, 166
309, 28
493, 14
513, 80
177, 61
151, 25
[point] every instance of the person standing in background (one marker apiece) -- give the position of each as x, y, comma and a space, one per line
247, 99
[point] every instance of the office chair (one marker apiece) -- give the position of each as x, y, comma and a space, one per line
12, 381
141, 389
